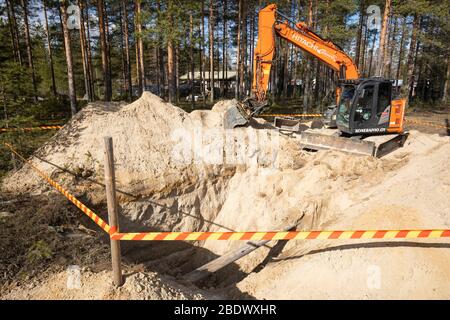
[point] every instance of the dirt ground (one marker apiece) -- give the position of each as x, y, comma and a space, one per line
184, 172
429, 121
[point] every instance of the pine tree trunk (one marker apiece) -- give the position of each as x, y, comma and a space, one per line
29, 49
108, 45
383, 39
362, 67
211, 49
285, 69
162, 73
372, 52
136, 51
252, 48
171, 60
177, 75
391, 49
6, 121
159, 54
49, 49
318, 78
87, 85
309, 61
238, 52
202, 54
400, 55
104, 51
409, 85
126, 37
158, 74
445, 92
123, 87
415, 78
69, 61
359, 35
244, 63
224, 45
166, 75
138, 67
295, 59
11, 33
171, 70
91, 70
217, 59
140, 45
191, 57
14, 32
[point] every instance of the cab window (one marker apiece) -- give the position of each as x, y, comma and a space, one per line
345, 103
384, 100
363, 110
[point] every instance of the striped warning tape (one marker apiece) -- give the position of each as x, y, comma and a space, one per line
30, 128
99, 221
300, 115
428, 124
268, 235
284, 235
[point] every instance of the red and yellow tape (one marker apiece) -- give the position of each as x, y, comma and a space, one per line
284, 235
315, 115
299, 115
30, 128
257, 235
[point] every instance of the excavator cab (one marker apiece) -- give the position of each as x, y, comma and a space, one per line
366, 107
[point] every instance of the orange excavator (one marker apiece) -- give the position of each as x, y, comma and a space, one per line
364, 106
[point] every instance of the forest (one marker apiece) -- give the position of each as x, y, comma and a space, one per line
56, 56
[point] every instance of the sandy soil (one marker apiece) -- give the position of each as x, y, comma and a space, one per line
258, 179
98, 286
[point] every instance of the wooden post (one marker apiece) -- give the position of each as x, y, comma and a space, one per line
228, 258
110, 183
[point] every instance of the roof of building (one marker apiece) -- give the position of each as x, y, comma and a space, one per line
230, 74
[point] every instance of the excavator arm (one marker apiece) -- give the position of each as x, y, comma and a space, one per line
269, 27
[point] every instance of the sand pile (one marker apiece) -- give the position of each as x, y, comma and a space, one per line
98, 286
160, 150
254, 178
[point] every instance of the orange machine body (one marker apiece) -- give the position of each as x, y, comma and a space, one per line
397, 116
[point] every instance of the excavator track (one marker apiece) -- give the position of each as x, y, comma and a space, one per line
376, 146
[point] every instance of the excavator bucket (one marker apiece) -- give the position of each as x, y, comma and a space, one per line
235, 116
240, 114
286, 124
376, 146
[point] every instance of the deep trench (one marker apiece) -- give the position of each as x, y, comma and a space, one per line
177, 258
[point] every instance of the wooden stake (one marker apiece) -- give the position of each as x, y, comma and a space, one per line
110, 183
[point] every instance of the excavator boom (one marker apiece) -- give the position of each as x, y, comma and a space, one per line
300, 36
